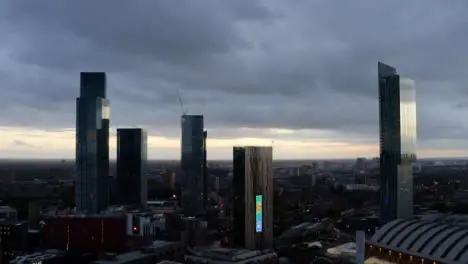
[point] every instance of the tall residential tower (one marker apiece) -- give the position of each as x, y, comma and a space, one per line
397, 100
92, 144
205, 170
131, 165
192, 159
253, 197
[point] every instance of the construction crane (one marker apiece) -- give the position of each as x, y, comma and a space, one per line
181, 103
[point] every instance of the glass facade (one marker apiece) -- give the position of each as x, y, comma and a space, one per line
92, 143
408, 117
131, 166
205, 170
192, 160
397, 101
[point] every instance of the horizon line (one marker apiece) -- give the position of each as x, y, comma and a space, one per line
226, 159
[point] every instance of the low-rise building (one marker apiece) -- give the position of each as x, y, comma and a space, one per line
229, 256
87, 233
14, 237
8, 213
51, 256
432, 239
159, 250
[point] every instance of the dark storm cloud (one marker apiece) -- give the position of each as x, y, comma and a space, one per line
245, 63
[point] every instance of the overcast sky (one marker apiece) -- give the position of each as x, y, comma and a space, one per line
301, 75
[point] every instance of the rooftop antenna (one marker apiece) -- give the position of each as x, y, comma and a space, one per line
181, 103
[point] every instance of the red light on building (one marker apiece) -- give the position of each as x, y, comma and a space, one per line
86, 234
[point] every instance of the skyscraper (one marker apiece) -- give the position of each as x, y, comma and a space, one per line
131, 165
397, 99
92, 144
192, 158
205, 170
253, 197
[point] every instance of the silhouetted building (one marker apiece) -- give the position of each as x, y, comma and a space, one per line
13, 237
202, 255
169, 180
205, 170
253, 197
397, 143
34, 214
8, 213
195, 231
131, 166
360, 169
93, 234
92, 143
192, 158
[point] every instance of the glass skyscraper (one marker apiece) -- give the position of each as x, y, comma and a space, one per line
192, 160
92, 144
131, 166
397, 100
205, 170
253, 197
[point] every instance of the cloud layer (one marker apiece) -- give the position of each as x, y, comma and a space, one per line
307, 67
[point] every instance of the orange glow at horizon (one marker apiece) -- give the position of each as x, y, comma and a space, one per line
30, 143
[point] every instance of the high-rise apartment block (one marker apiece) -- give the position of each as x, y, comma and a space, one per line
192, 160
131, 165
397, 100
253, 197
205, 170
92, 143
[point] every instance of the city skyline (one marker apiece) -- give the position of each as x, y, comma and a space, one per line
259, 71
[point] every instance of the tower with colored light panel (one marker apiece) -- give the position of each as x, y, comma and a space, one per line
253, 197
258, 214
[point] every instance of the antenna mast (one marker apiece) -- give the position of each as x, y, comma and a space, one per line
181, 103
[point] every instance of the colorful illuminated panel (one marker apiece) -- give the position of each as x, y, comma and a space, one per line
258, 213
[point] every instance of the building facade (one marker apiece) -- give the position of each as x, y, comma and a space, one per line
131, 166
169, 180
92, 144
397, 100
192, 159
13, 239
205, 170
253, 197
91, 233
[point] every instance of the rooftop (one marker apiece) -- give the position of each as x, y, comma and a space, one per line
30, 258
348, 249
226, 254
128, 257
441, 238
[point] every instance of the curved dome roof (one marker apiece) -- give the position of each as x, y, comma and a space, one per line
436, 240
